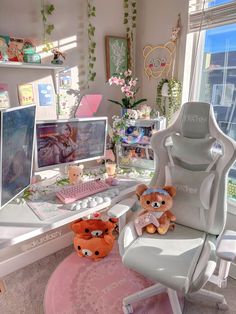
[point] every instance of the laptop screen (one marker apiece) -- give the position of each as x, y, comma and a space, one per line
88, 106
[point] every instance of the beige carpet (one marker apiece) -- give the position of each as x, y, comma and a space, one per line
25, 289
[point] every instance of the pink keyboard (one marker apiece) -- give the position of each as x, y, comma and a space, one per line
72, 193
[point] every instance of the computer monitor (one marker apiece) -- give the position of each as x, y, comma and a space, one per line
17, 136
63, 142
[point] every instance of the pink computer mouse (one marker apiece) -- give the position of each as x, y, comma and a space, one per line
112, 181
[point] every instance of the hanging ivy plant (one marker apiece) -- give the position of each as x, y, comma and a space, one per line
91, 42
46, 11
130, 16
170, 103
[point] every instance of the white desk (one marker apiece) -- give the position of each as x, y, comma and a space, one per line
24, 238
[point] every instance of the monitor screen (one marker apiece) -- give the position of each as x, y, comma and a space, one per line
69, 141
17, 135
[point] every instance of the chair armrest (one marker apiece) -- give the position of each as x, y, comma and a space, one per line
126, 237
121, 208
226, 248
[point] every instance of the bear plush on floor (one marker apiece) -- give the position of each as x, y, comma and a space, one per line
93, 237
156, 214
90, 228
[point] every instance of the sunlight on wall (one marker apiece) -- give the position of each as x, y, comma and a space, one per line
64, 45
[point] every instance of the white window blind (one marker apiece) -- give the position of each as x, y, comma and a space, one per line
210, 16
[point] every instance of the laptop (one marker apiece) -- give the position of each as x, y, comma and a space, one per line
88, 106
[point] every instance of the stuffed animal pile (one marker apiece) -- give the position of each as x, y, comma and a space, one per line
93, 237
156, 204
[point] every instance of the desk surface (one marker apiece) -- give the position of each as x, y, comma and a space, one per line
19, 223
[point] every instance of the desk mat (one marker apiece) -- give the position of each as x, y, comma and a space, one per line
47, 209
45, 204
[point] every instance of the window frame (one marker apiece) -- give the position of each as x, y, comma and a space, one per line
193, 64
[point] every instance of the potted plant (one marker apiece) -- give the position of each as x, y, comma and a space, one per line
129, 89
168, 99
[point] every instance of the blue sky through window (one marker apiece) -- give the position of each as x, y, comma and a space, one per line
221, 39
219, 2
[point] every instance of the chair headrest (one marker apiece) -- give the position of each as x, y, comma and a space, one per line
195, 120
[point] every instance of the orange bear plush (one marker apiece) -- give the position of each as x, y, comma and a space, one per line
156, 204
94, 248
93, 237
90, 228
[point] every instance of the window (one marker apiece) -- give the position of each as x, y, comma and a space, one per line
212, 75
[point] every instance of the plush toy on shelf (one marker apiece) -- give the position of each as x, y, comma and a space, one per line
156, 214
93, 237
75, 174
132, 114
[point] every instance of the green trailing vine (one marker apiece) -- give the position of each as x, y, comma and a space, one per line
130, 16
46, 11
91, 42
167, 106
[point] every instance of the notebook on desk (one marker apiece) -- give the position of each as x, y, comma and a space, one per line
89, 105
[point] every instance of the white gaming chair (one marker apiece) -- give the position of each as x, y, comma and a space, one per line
195, 156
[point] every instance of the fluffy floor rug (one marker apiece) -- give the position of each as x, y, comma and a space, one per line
81, 286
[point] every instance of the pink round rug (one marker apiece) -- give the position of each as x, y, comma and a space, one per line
81, 286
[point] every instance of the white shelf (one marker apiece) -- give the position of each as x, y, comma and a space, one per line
23, 65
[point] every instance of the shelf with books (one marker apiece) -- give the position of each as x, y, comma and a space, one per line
23, 65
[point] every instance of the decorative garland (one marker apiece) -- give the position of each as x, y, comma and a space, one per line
167, 106
91, 42
130, 16
46, 10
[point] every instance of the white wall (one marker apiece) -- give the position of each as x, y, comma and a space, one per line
154, 24
23, 19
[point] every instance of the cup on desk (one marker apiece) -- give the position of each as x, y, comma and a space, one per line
110, 168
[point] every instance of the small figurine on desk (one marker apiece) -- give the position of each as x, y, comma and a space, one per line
75, 174
56, 56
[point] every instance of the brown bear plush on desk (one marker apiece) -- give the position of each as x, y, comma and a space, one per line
156, 204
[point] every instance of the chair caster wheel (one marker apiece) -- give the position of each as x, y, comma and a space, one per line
127, 309
223, 306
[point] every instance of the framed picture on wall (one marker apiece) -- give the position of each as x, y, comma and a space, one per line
117, 55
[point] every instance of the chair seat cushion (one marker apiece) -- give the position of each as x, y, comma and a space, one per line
169, 259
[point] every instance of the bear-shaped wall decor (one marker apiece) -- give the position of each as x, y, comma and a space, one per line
156, 204
158, 60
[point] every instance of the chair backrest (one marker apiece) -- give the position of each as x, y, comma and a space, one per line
196, 169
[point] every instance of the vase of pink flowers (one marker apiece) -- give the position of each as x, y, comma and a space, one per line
128, 86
